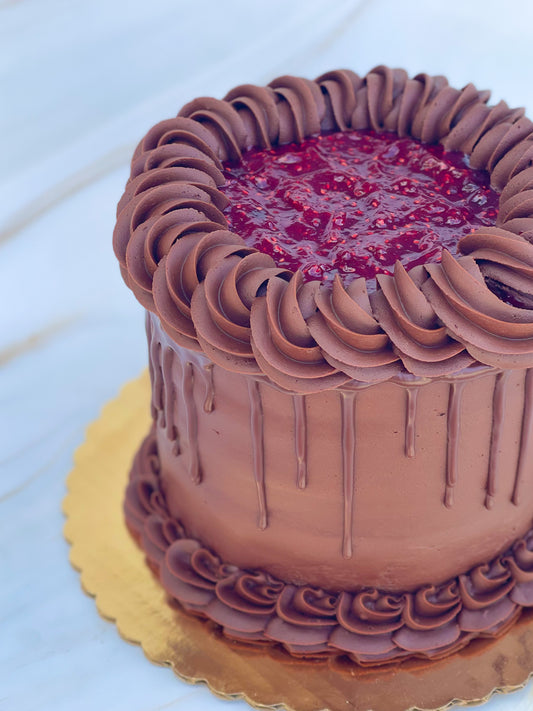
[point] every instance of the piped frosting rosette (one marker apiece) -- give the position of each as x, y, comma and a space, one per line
492, 331
371, 626
214, 293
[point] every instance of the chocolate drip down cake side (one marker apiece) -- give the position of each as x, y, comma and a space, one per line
338, 278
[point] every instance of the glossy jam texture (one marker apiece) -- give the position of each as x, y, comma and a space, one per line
353, 203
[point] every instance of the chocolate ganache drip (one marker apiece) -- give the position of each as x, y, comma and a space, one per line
214, 293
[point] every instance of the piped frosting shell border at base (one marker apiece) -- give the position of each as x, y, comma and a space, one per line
214, 293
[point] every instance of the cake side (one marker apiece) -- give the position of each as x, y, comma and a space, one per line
392, 485
333, 553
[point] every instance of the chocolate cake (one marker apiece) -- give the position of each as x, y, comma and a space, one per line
338, 283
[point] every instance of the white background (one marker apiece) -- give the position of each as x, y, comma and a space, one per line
80, 83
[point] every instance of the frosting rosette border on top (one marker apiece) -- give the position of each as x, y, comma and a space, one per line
213, 293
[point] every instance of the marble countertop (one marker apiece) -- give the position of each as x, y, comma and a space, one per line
80, 83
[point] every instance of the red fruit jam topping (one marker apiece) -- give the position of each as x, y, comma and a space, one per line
354, 202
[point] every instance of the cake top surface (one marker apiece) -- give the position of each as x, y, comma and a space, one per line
354, 202
470, 300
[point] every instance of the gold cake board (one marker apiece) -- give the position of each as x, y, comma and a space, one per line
113, 570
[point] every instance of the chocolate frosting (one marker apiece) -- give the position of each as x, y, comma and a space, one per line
213, 293
371, 626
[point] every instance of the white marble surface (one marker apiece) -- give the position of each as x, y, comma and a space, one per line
80, 82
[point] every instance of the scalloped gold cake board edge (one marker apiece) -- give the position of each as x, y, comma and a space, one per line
114, 572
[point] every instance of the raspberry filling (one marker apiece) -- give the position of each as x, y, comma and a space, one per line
354, 202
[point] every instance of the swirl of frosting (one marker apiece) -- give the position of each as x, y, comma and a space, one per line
181, 580
257, 108
153, 219
503, 258
494, 332
516, 208
379, 98
174, 174
504, 141
521, 562
221, 119
143, 496
281, 339
371, 626
370, 612
245, 603
137, 502
474, 121
157, 534
430, 616
433, 108
181, 271
521, 181
513, 162
418, 94
256, 593
431, 607
304, 621
306, 606
221, 306
487, 602
521, 566
175, 252
301, 108
351, 339
339, 89
486, 585
177, 130
419, 338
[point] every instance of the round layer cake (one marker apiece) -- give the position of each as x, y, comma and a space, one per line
338, 283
